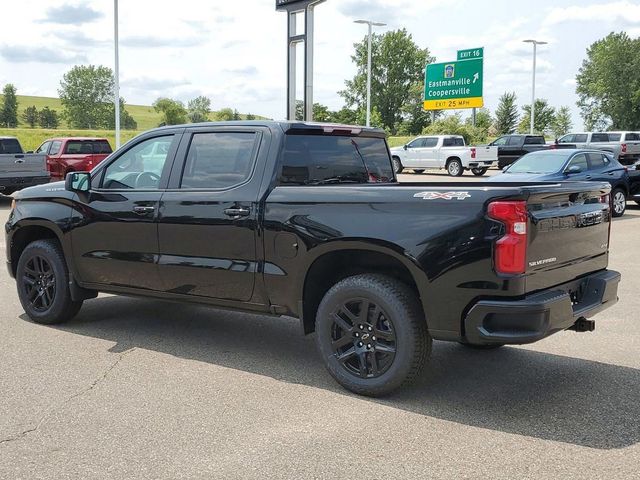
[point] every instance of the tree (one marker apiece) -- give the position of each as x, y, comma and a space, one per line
236, 115
127, 122
85, 93
251, 116
452, 125
9, 112
507, 114
224, 115
344, 116
608, 84
48, 118
173, 111
199, 109
415, 117
562, 122
544, 117
30, 116
397, 66
320, 112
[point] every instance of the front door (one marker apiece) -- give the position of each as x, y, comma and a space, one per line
115, 229
208, 218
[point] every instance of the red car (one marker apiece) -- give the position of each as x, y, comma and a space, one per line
77, 154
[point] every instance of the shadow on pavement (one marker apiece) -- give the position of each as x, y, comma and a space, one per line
510, 390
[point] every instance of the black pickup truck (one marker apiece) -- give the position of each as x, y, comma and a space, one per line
512, 147
307, 220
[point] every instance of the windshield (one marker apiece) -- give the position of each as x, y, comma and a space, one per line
538, 163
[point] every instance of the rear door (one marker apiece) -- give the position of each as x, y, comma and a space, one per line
208, 223
429, 152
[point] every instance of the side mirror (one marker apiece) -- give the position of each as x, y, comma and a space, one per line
573, 169
78, 182
405, 146
556, 141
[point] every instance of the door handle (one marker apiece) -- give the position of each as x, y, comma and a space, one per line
143, 210
19, 161
237, 212
588, 177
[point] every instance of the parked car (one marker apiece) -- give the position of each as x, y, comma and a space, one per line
443, 152
574, 165
624, 146
297, 219
18, 169
634, 181
74, 154
512, 147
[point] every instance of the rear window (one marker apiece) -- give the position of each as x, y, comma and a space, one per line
326, 160
78, 147
10, 145
453, 142
534, 141
101, 146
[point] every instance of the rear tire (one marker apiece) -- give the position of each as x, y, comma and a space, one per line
478, 172
397, 165
42, 279
371, 334
454, 167
618, 202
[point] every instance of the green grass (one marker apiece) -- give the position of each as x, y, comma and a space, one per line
32, 138
398, 141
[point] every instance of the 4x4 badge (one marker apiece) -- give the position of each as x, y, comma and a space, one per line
442, 195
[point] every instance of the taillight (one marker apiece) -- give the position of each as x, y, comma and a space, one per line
473, 153
623, 148
510, 255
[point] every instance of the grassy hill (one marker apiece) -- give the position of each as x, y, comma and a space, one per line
145, 115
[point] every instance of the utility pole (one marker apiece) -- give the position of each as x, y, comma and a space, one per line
533, 81
116, 71
370, 25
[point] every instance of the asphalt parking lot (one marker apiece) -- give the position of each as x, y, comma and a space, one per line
144, 389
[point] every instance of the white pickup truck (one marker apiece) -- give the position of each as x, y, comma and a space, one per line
443, 152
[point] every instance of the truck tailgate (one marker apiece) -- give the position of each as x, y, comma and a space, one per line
17, 165
568, 233
486, 153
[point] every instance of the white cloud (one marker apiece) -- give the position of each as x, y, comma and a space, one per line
622, 13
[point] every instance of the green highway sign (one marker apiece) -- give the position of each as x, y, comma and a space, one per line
453, 85
470, 53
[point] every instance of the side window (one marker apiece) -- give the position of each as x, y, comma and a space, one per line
219, 159
597, 160
600, 137
581, 138
417, 143
452, 142
615, 137
534, 140
514, 141
567, 139
139, 167
579, 160
43, 148
55, 147
430, 142
632, 137
500, 142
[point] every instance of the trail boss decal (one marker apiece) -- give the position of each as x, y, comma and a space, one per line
442, 195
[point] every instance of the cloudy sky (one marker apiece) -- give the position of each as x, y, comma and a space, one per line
235, 51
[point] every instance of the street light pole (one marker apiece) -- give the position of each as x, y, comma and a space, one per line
370, 25
533, 81
116, 72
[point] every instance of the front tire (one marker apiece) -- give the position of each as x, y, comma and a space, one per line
619, 202
478, 172
371, 334
42, 279
454, 167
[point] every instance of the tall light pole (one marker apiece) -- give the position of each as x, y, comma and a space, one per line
116, 72
533, 82
370, 25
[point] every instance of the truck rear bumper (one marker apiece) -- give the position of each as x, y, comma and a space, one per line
541, 314
11, 184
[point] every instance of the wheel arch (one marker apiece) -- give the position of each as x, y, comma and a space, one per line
26, 232
333, 264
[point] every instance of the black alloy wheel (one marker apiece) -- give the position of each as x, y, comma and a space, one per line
39, 283
363, 338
